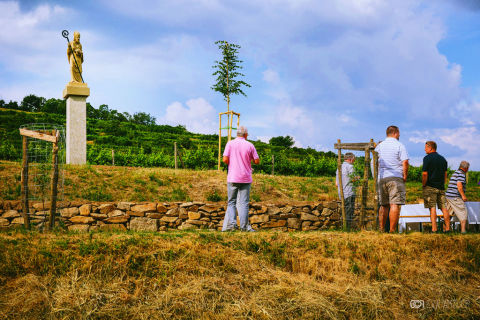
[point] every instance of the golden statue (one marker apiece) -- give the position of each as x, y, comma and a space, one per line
75, 58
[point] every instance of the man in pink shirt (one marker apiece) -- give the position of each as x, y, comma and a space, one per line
238, 155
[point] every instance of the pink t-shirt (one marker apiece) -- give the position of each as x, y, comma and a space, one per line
240, 153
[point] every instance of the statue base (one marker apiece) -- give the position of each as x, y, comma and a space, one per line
76, 94
76, 89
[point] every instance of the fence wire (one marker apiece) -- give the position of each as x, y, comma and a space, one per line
40, 163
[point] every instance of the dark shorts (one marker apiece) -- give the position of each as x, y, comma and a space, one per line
433, 197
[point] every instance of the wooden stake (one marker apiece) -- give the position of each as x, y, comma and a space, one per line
365, 187
24, 182
53, 202
113, 157
375, 185
340, 185
219, 139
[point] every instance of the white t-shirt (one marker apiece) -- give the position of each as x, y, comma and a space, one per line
391, 154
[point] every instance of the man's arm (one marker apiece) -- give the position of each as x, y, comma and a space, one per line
405, 170
460, 190
226, 160
424, 178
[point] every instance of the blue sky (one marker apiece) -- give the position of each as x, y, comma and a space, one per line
319, 70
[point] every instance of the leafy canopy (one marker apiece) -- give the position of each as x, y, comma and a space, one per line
227, 71
280, 141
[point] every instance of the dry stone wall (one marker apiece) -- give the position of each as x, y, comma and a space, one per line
79, 216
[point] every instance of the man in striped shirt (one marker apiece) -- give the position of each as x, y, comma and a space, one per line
393, 171
456, 194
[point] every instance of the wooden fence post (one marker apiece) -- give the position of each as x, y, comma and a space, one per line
53, 200
113, 157
340, 185
365, 186
24, 178
375, 186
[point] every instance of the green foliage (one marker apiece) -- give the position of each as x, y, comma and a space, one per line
280, 141
226, 71
214, 196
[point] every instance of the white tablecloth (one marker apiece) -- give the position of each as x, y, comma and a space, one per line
411, 213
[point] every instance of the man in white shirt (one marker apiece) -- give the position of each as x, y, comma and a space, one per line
348, 187
392, 173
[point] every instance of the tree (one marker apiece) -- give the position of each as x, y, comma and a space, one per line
32, 103
280, 141
143, 118
226, 72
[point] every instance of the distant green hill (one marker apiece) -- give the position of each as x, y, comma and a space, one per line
139, 141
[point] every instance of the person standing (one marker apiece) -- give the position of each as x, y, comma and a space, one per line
348, 187
433, 181
393, 171
238, 155
456, 197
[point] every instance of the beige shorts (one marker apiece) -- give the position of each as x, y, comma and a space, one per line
392, 191
433, 197
457, 206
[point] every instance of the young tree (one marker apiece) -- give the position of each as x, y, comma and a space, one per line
280, 141
227, 72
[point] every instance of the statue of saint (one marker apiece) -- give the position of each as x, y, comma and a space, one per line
75, 58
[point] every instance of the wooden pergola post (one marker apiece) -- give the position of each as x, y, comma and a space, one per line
375, 185
24, 180
365, 187
340, 186
230, 114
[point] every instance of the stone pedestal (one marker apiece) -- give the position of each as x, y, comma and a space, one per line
76, 94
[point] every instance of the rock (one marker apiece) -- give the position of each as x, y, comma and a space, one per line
125, 206
309, 217
297, 211
273, 211
155, 215
275, 224
172, 212
11, 214
143, 224
161, 208
137, 214
259, 218
294, 223
187, 226
106, 208
319, 206
332, 205
327, 212
286, 216
182, 213
4, 222
162, 228
193, 208
42, 213
196, 222
107, 227
85, 209
149, 207
98, 215
79, 227
286, 209
262, 210
117, 219
115, 213
209, 208
317, 213
316, 224
169, 219
186, 205
306, 224
307, 209
69, 212
41, 206
82, 219
18, 221
194, 215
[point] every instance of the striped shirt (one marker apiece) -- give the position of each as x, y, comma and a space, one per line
452, 190
391, 154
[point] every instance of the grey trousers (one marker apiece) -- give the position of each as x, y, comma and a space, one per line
238, 199
349, 210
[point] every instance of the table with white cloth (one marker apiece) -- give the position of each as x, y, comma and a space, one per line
417, 213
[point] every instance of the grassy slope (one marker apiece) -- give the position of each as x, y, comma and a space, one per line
213, 275
106, 183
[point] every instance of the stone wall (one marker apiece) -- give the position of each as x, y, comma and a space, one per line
153, 216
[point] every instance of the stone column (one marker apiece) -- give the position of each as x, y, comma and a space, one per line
76, 94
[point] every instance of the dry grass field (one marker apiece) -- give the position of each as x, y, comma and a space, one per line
211, 275
107, 183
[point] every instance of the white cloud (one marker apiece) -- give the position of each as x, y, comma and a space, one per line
265, 139
198, 115
271, 76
